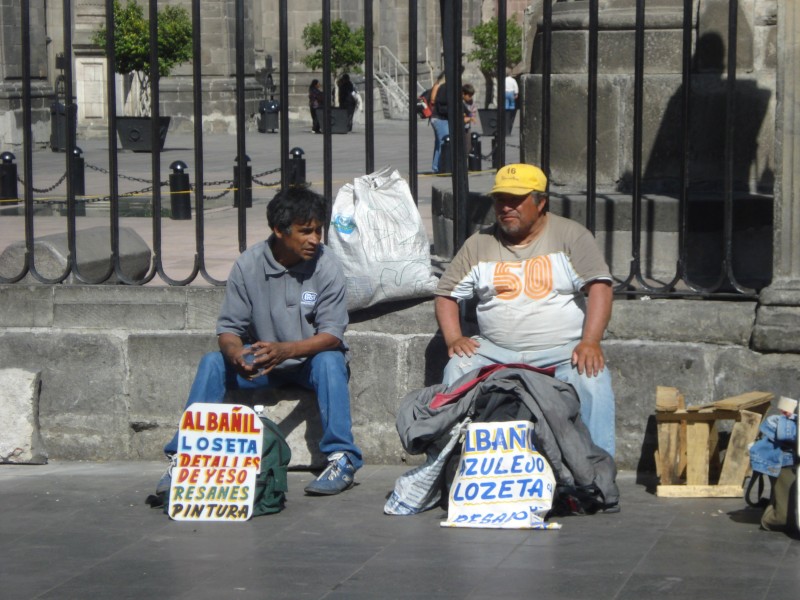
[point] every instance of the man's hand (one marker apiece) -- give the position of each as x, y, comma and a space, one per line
462, 346
268, 355
588, 357
235, 353
257, 360
261, 357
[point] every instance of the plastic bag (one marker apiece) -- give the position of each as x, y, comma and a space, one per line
420, 489
378, 234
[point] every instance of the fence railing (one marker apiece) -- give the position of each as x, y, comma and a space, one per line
705, 221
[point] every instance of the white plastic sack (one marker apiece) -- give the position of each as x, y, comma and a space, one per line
378, 234
420, 489
502, 481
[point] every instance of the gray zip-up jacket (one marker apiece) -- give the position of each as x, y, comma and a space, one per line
563, 438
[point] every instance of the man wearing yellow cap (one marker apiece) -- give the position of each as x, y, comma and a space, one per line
544, 297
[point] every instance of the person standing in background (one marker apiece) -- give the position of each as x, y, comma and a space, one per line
347, 98
468, 96
512, 91
316, 99
441, 128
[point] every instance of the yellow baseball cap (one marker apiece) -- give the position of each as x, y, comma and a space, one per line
519, 180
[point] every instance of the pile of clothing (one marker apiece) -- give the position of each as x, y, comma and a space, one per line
431, 419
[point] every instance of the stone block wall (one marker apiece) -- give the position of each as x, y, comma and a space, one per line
116, 364
754, 97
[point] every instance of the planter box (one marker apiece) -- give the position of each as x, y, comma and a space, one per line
338, 120
134, 133
488, 119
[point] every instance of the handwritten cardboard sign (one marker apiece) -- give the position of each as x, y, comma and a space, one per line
219, 455
502, 481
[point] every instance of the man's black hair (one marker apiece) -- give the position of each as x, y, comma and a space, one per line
295, 205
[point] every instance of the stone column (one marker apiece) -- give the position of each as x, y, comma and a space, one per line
11, 74
778, 317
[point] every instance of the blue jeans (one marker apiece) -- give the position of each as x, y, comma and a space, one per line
325, 373
510, 101
595, 393
441, 129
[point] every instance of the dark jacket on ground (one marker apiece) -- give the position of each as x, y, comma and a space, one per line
560, 433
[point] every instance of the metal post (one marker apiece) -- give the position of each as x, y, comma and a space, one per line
445, 158
78, 172
297, 167
496, 163
179, 192
8, 177
475, 153
246, 181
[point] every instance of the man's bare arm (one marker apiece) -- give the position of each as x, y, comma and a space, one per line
588, 355
447, 314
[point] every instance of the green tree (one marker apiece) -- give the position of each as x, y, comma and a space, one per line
132, 45
347, 47
485, 52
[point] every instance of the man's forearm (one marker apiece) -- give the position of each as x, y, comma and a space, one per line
320, 342
230, 345
448, 317
598, 311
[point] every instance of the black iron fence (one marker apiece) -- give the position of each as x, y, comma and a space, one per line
713, 254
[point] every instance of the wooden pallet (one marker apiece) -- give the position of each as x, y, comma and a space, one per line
688, 443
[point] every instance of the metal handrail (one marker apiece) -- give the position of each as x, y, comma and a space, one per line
394, 67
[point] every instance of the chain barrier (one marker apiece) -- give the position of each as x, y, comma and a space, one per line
491, 152
121, 176
227, 190
267, 184
228, 182
45, 190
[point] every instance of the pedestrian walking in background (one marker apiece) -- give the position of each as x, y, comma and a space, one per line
441, 128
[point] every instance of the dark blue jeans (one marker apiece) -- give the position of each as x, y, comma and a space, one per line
326, 373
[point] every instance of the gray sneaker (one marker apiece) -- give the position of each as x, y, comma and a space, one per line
161, 496
336, 478
163, 485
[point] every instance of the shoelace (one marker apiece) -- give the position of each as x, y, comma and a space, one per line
335, 469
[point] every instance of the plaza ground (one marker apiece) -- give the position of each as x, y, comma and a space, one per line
82, 530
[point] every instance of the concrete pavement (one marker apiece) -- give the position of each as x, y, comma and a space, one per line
82, 530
